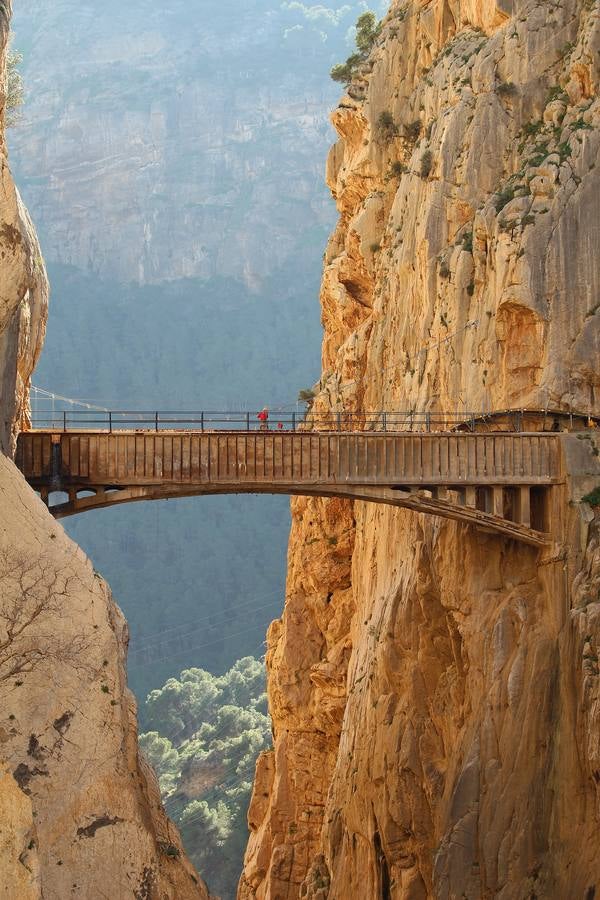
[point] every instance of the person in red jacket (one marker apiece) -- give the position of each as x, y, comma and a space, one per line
263, 418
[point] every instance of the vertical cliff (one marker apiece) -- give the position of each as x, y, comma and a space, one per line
80, 811
23, 287
434, 689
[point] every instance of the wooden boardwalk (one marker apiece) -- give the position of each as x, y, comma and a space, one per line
496, 480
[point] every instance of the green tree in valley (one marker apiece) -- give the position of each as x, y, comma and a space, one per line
207, 732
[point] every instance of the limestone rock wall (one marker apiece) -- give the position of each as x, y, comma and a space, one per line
80, 810
23, 287
68, 736
433, 689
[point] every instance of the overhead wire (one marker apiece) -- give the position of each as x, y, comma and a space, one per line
138, 648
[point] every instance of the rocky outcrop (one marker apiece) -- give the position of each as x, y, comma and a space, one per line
433, 688
68, 734
80, 811
23, 290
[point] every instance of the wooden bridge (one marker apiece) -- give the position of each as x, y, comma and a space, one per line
499, 481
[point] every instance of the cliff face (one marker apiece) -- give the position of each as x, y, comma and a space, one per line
80, 812
23, 289
433, 689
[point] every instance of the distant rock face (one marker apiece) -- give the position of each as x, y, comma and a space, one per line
80, 811
434, 689
171, 143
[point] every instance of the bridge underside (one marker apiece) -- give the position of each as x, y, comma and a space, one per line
520, 512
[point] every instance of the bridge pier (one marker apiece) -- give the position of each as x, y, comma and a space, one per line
523, 505
469, 496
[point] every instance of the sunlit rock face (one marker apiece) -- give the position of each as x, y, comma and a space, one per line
80, 811
434, 689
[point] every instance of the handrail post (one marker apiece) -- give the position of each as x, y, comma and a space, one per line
64, 420
384, 417
156, 421
293, 421
110, 422
247, 421
202, 421
428, 421
339, 421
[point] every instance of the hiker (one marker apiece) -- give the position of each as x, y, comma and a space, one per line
280, 426
263, 418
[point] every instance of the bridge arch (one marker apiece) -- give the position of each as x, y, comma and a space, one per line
501, 482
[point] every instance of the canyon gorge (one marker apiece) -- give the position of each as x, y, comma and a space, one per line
433, 688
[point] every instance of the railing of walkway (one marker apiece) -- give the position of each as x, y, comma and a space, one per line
387, 421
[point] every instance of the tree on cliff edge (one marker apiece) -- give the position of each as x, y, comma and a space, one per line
15, 91
368, 30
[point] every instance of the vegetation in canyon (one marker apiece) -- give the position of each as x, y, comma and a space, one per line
205, 733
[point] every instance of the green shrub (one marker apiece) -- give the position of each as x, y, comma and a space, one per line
503, 197
386, 126
344, 72
413, 130
507, 89
306, 395
593, 498
532, 128
426, 164
557, 93
397, 169
467, 241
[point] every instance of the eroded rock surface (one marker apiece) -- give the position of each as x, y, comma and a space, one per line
433, 689
68, 736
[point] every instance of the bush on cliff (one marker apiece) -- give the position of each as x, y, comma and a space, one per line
15, 91
368, 30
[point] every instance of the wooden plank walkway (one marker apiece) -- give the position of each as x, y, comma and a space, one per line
323, 458
492, 473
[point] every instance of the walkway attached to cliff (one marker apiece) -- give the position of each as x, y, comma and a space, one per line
499, 480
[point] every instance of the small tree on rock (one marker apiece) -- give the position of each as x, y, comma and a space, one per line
15, 91
368, 30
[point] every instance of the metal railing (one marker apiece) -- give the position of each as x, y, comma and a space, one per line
342, 421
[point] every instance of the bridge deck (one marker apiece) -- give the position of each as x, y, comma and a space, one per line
492, 478
302, 457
